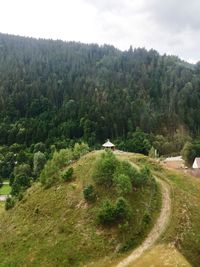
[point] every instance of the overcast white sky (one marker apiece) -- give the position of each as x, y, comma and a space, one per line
169, 26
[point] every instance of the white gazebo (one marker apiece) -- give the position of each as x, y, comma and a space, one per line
108, 144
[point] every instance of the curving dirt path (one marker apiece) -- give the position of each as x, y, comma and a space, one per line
158, 228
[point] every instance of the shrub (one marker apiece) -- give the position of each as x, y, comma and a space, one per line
123, 184
80, 150
9, 204
143, 177
122, 209
67, 175
21, 183
49, 174
106, 214
114, 213
127, 169
88, 193
39, 161
105, 168
147, 218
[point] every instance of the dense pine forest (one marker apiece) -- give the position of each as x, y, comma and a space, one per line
55, 93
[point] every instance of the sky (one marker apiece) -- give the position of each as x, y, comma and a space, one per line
168, 26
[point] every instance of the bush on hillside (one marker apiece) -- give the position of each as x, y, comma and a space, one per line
110, 213
123, 184
20, 184
122, 209
105, 169
67, 175
80, 150
50, 173
88, 193
143, 178
127, 169
39, 161
106, 213
10, 203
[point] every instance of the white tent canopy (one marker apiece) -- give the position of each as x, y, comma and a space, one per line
108, 144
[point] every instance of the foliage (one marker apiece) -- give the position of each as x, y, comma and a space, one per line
88, 193
105, 169
39, 161
123, 184
23, 169
49, 94
51, 172
152, 152
67, 175
138, 142
144, 177
122, 209
110, 213
10, 202
190, 152
127, 169
21, 183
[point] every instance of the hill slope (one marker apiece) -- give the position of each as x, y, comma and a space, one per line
57, 227
180, 242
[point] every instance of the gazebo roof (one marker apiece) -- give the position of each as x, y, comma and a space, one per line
108, 144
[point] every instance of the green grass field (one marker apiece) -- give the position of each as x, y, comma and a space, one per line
5, 189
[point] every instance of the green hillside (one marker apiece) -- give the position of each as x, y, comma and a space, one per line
58, 227
180, 242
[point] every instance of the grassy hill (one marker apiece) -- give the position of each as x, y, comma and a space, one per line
58, 227
180, 242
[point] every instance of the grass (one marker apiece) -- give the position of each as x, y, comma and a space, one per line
180, 243
1, 207
183, 232
5, 189
184, 228
56, 227
161, 255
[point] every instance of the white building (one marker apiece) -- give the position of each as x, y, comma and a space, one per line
196, 164
108, 144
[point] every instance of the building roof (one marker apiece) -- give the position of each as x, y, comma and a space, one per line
108, 144
197, 162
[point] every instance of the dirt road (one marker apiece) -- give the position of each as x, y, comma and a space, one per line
158, 228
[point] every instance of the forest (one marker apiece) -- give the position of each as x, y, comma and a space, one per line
54, 94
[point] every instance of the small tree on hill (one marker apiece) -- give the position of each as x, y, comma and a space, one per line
105, 169
39, 161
